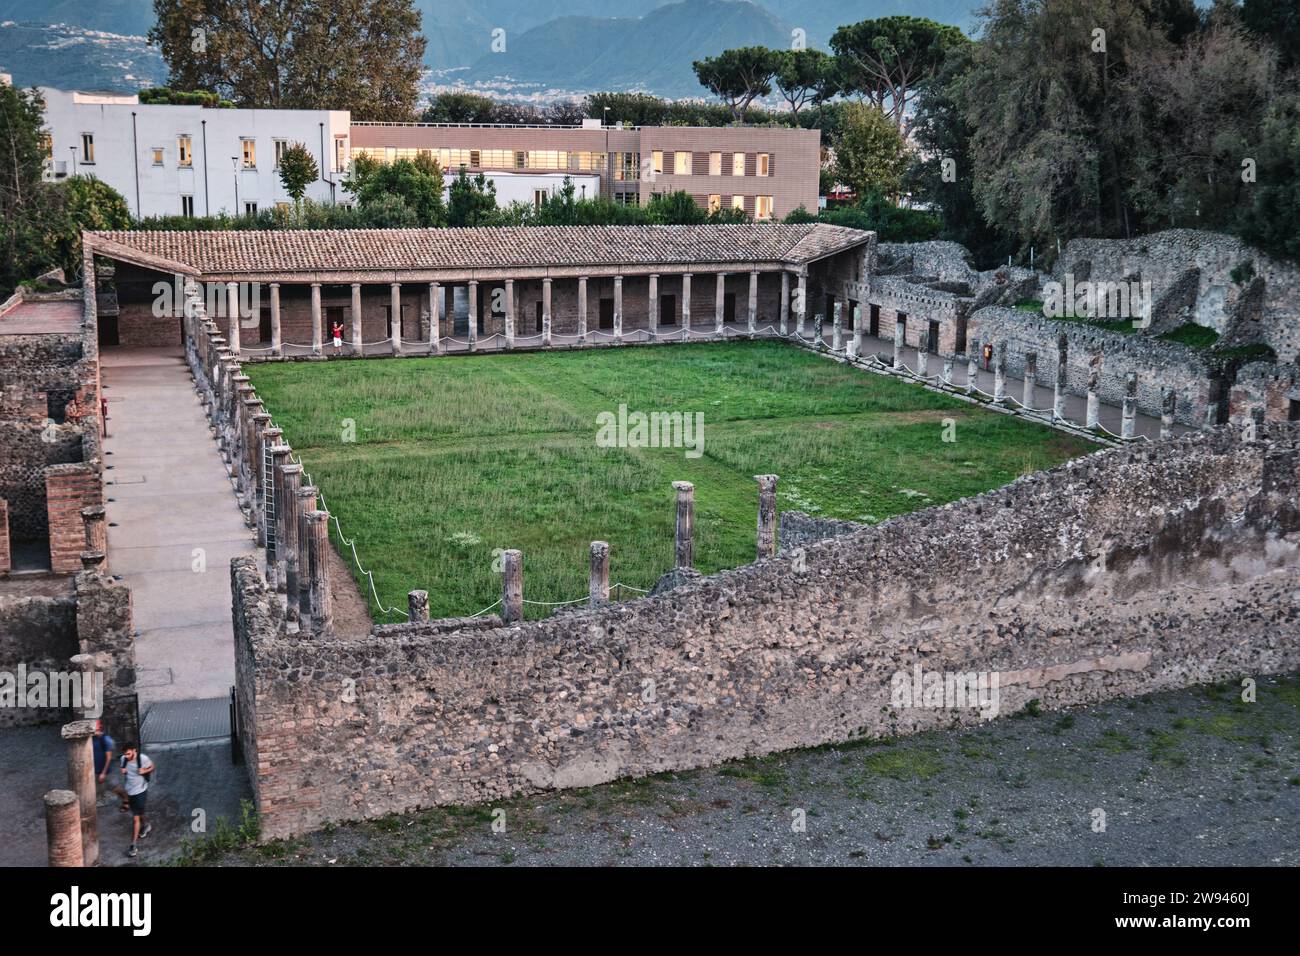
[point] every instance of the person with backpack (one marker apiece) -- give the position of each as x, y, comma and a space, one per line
103, 753
136, 769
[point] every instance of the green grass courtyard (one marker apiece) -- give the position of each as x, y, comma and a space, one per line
431, 465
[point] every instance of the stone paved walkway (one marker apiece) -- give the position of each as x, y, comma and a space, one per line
174, 525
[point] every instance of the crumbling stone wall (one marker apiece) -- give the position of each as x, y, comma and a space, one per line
1267, 385
1192, 373
38, 631
797, 530
1125, 572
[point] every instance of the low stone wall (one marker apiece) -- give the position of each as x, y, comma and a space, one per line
1125, 572
797, 530
1196, 378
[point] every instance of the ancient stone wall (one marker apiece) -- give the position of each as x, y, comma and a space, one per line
105, 630
1268, 385
1125, 572
39, 632
1197, 378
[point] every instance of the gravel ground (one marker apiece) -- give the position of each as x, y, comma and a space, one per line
1190, 778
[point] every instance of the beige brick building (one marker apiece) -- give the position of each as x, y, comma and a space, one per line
767, 171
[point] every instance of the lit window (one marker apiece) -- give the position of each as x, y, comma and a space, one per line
187, 205
762, 207
682, 164
738, 202
87, 147
715, 164
250, 153
340, 153
184, 152
658, 157
762, 165
715, 202
157, 155
280, 146
737, 164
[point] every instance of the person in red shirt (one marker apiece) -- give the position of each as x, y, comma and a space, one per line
338, 337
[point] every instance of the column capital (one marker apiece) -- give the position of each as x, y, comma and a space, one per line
356, 285
510, 283
315, 285
546, 280
275, 285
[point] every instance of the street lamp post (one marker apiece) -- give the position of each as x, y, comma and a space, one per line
234, 167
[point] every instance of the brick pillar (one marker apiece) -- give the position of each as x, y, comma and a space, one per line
1062, 377
1168, 404
395, 308
510, 313
512, 586
417, 606
286, 527
582, 310
95, 521
435, 318
317, 330
81, 781
618, 310
751, 321
654, 306
765, 542
837, 326
1128, 420
598, 576
684, 543
63, 829
785, 304
1093, 418
318, 551
546, 313
1031, 372
277, 346
719, 303
356, 321
6, 559
472, 325
68, 489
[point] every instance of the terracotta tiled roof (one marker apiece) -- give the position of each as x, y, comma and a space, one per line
281, 251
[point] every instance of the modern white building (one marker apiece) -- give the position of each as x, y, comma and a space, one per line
172, 160
531, 188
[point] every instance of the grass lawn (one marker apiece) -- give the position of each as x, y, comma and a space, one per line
454, 457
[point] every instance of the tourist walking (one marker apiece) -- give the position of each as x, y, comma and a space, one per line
136, 769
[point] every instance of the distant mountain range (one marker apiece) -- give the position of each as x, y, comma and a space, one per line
574, 46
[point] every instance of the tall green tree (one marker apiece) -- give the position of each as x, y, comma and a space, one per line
1276, 22
298, 170
359, 55
417, 182
888, 60
870, 156
471, 200
738, 76
805, 77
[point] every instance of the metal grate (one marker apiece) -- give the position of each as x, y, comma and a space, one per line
268, 497
174, 721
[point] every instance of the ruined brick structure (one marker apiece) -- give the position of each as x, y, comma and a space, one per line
1126, 572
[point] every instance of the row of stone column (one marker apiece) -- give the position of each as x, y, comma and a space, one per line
512, 560
283, 512
437, 307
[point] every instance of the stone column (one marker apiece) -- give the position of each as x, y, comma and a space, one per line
1062, 378
1031, 372
435, 318
274, 538
972, 366
837, 326
1168, 405
318, 549
923, 355
751, 320
510, 313
765, 543
286, 529
900, 329
317, 330
546, 313
63, 829
395, 304
785, 304
512, 586
1000, 373
81, 781
654, 306
598, 578
686, 305
800, 303
582, 310
855, 344
232, 316
719, 303
618, 310
472, 325
95, 521
302, 601
358, 346
417, 606
277, 346
945, 376
1093, 418
684, 545
1128, 420
819, 341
